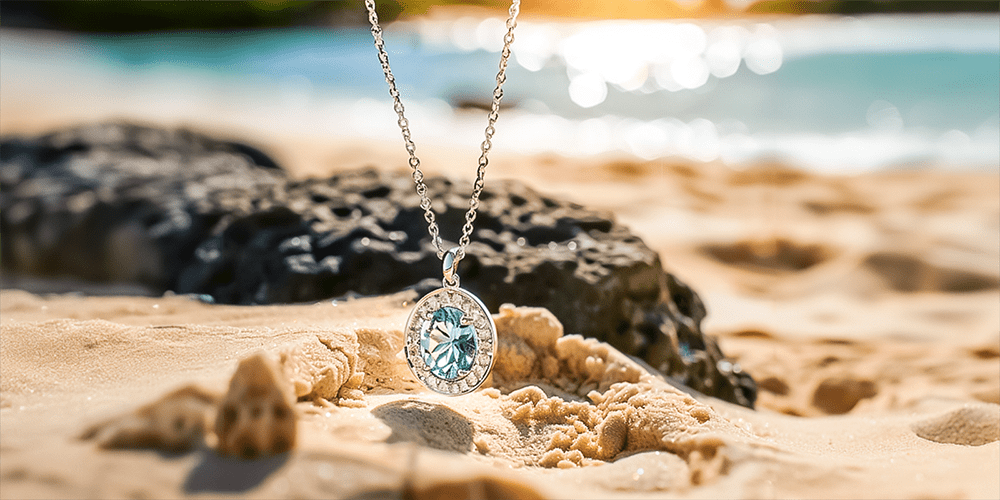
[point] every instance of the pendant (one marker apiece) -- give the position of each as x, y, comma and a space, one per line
450, 337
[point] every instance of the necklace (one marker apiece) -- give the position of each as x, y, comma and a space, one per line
450, 335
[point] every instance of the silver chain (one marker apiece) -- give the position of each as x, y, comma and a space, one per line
404, 127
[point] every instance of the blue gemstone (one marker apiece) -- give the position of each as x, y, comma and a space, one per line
447, 345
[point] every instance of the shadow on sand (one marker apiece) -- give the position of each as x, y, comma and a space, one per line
223, 474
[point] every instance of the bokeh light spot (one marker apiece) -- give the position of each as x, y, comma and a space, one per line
588, 90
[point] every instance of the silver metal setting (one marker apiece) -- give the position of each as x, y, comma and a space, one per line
477, 316
449, 268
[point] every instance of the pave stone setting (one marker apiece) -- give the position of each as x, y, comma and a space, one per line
450, 341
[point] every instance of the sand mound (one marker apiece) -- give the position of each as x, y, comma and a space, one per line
174, 423
256, 416
970, 425
576, 401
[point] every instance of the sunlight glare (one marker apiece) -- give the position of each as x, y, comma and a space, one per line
725, 50
535, 45
588, 90
689, 72
463, 34
764, 54
490, 33
593, 136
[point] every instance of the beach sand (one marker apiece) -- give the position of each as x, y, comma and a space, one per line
866, 307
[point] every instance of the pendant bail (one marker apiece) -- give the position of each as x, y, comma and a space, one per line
449, 265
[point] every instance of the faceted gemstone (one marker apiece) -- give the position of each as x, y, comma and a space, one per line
447, 345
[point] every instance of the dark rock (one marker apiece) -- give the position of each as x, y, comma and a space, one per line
178, 211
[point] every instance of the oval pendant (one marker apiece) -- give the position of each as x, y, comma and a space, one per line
450, 341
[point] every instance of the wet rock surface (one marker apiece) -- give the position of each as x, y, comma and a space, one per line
179, 211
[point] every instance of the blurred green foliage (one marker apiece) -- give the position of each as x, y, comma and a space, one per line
130, 16
155, 15
854, 7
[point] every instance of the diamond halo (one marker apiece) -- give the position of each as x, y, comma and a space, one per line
450, 341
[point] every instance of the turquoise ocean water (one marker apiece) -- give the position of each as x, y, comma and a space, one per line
837, 94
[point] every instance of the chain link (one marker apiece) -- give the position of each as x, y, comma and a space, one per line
411, 148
